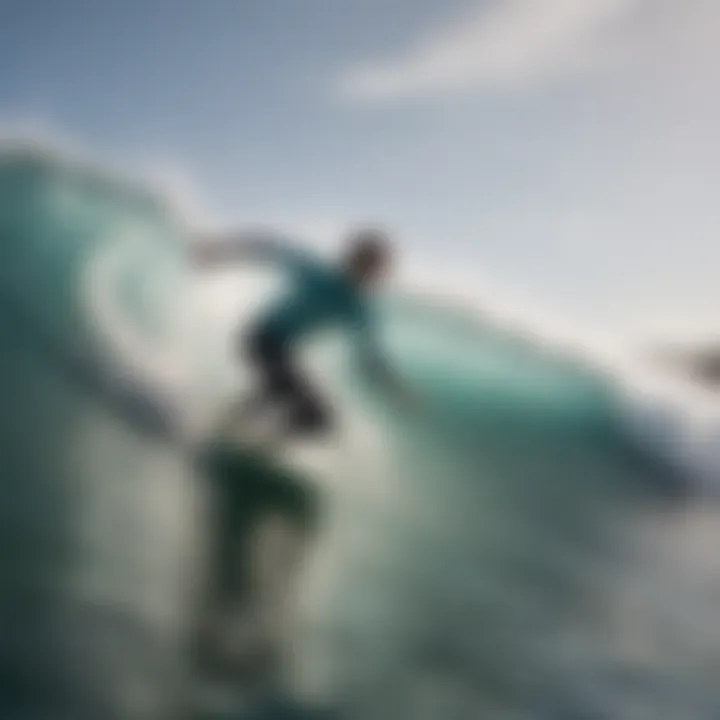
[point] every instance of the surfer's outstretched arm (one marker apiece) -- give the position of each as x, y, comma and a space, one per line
252, 246
376, 366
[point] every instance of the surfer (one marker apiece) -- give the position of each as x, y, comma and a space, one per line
323, 295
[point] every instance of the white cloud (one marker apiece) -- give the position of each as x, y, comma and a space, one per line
501, 46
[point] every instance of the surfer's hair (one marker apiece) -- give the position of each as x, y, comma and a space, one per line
368, 249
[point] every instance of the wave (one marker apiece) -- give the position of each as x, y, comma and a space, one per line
128, 221
104, 375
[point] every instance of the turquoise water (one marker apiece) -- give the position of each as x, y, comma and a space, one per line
508, 556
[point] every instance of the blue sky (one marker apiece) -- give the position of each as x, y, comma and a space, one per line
566, 148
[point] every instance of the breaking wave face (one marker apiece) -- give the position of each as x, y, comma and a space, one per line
511, 553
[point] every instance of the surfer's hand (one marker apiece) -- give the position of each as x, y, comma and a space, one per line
206, 253
394, 385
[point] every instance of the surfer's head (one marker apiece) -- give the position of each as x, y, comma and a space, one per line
368, 255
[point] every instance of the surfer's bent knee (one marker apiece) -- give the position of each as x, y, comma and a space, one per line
312, 419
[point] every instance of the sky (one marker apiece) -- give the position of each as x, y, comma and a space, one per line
563, 149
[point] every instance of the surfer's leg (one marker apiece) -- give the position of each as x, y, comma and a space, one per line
243, 411
310, 416
307, 414
284, 386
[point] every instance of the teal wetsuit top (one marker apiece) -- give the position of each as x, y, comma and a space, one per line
321, 297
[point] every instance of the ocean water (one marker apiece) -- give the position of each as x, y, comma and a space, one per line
540, 546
